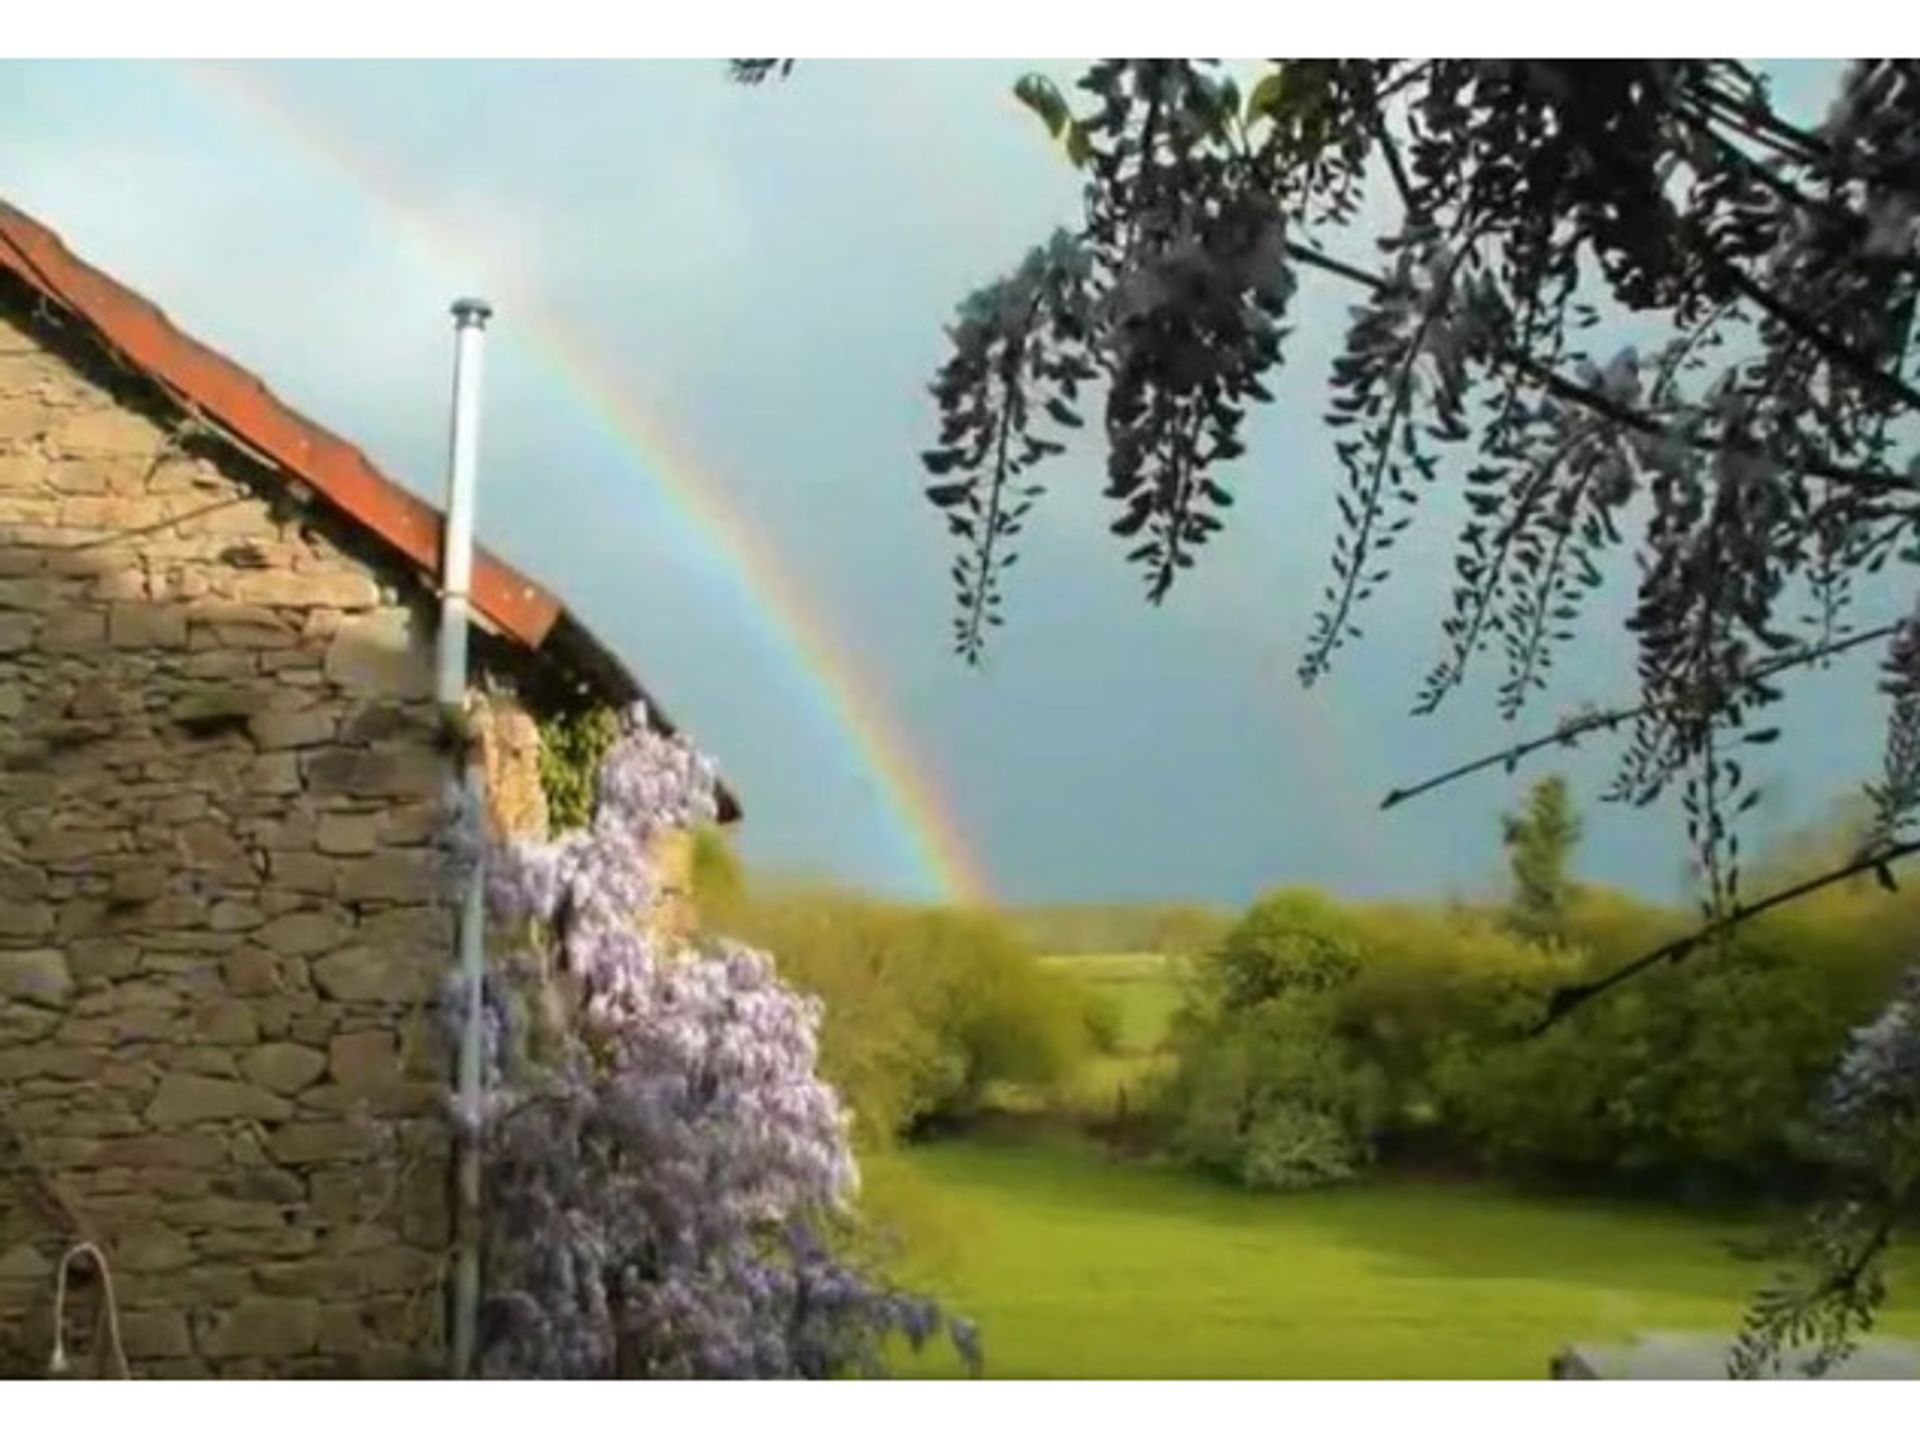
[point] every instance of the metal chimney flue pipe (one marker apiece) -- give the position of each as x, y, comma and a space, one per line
456, 560
456, 583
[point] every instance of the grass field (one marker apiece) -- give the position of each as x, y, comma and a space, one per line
1142, 986
1145, 994
1079, 1267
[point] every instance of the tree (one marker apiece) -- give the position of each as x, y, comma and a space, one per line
1758, 459
1539, 841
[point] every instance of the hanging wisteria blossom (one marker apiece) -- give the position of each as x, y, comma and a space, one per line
659, 1195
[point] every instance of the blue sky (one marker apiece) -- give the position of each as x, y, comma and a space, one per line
769, 273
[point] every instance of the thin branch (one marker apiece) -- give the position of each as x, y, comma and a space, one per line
1384, 137
1565, 1000
1320, 260
1834, 350
1763, 126
1576, 393
1566, 733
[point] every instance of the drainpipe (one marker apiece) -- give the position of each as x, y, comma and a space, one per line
469, 320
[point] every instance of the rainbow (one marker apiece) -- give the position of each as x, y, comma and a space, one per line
918, 813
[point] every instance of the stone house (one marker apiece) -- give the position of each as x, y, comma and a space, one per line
223, 922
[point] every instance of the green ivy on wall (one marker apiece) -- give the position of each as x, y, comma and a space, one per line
571, 747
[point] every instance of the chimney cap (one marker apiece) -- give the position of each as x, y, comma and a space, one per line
471, 311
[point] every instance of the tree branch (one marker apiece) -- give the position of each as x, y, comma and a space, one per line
1574, 392
1835, 351
1565, 1000
1612, 718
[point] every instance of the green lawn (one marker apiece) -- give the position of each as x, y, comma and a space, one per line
1078, 1267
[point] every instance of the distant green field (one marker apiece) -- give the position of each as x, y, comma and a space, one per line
1079, 1267
1143, 985
1145, 993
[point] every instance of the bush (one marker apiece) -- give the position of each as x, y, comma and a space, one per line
1268, 1095
926, 1008
1265, 1089
1105, 1025
1698, 1072
1317, 1033
1292, 941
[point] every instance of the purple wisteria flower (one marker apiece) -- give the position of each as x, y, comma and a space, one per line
659, 1196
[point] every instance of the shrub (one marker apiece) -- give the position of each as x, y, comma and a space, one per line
1270, 1096
1291, 941
1105, 1026
925, 1008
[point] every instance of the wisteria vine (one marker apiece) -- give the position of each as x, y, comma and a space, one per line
1869, 1124
665, 1172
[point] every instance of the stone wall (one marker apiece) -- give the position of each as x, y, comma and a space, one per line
220, 923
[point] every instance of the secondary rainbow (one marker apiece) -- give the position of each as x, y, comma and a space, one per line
918, 813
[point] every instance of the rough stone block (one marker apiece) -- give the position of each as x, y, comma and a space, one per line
24, 920
182, 1150
402, 824
251, 973
102, 959
154, 1333
394, 773
127, 585
423, 929
378, 1098
205, 705
407, 876
367, 1056
283, 1068
230, 915
70, 630
302, 873
386, 653
221, 664
36, 976
277, 1187
190, 1098
276, 1017
347, 833
335, 589
274, 774
325, 1142
366, 976
209, 843
108, 430
214, 1062
173, 911
227, 1021
258, 1243
380, 722
24, 417
147, 626
139, 884
292, 729
30, 595
262, 1328
305, 932
152, 1250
